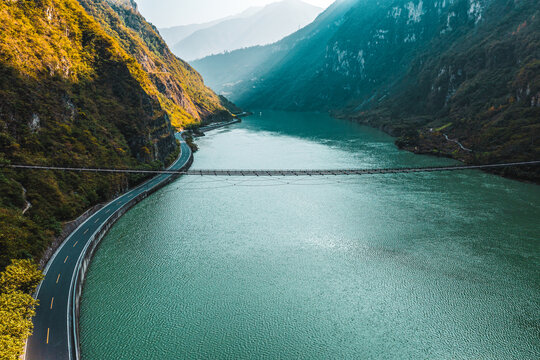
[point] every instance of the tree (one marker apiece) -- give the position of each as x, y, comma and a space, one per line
17, 306
21, 275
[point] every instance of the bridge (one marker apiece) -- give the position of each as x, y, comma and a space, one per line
280, 173
56, 326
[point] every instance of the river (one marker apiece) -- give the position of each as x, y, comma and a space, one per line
403, 266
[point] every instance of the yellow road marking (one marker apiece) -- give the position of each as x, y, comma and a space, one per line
52, 301
86, 231
66, 259
47, 335
58, 278
75, 243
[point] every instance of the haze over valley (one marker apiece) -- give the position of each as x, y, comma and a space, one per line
254, 26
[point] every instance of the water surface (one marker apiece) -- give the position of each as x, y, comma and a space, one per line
434, 265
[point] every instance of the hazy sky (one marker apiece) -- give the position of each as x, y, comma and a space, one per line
165, 13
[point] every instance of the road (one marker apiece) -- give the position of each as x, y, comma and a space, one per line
50, 339
457, 142
218, 125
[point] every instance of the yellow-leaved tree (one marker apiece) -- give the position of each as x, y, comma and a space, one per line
17, 306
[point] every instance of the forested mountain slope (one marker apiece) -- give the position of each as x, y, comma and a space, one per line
467, 69
181, 89
478, 81
86, 83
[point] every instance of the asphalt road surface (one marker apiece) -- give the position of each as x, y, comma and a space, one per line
51, 328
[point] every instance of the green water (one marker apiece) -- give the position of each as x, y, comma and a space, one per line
409, 266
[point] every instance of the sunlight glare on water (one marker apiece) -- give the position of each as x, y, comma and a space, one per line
408, 266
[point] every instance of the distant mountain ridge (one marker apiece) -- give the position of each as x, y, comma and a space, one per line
420, 70
236, 73
173, 35
254, 27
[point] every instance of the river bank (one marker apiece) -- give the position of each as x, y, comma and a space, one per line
199, 131
438, 144
413, 136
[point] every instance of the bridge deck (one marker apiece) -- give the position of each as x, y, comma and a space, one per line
285, 172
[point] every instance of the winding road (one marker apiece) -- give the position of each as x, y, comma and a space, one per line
54, 337
457, 142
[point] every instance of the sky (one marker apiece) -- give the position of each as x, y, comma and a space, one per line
166, 13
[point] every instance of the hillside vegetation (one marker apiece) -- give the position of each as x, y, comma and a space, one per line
180, 89
420, 70
83, 84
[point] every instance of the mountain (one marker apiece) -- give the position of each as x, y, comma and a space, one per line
265, 26
175, 34
180, 88
91, 84
235, 73
425, 71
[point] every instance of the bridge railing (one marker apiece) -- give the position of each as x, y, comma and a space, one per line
278, 172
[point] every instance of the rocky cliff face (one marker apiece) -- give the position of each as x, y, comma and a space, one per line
475, 81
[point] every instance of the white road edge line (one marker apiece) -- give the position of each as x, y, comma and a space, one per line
75, 273
51, 260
